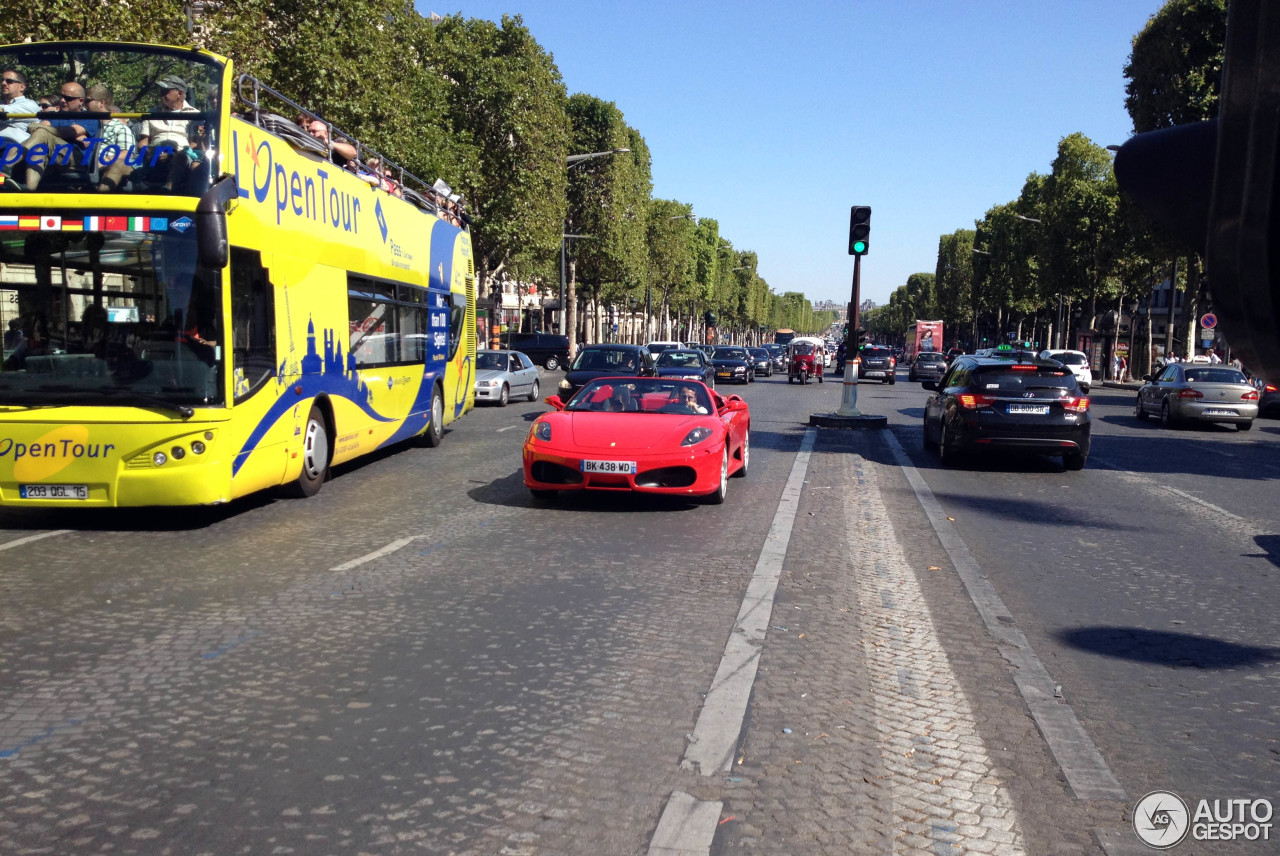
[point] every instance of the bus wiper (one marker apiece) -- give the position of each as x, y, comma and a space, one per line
143, 398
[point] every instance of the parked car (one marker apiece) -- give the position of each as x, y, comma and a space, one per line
545, 349
876, 362
1077, 361
595, 361
1189, 392
1003, 405
502, 374
762, 363
928, 365
733, 363
648, 435
686, 363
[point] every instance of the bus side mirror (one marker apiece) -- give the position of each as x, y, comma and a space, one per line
212, 248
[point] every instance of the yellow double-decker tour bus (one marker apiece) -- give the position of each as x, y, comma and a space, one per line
199, 299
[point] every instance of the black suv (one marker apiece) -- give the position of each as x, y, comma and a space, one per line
1014, 405
876, 362
545, 349
595, 361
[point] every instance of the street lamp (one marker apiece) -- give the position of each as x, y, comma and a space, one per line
570, 162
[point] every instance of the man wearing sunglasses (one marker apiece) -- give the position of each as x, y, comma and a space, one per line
13, 99
56, 134
168, 140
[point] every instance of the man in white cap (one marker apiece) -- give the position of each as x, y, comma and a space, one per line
168, 139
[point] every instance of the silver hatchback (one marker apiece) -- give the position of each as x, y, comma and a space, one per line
1190, 392
500, 375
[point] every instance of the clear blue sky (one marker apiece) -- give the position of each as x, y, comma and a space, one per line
775, 118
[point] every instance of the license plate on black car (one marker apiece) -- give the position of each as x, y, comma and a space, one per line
1029, 409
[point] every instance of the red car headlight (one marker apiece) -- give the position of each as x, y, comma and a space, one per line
696, 436
542, 431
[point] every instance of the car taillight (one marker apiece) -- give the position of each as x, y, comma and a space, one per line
1271, 387
1079, 404
971, 401
892, 362
1190, 393
1251, 395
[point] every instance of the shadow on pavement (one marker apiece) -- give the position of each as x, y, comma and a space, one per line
511, 492
1162, 648
1270, 545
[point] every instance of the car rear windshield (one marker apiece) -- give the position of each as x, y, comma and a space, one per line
1215, 376
1071, 359
1001, 380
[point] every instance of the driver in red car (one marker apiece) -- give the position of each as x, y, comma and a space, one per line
689, 399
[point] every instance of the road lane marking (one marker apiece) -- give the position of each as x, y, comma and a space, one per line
1226, 520
688, 825
716, 733
377, 554
1085, 769
18, 542
508, 428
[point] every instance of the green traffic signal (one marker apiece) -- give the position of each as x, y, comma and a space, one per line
859, 247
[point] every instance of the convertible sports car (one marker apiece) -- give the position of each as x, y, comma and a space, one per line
643, 434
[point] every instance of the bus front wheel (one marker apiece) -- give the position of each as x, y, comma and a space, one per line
315, 455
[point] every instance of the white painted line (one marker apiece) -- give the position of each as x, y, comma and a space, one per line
716, 734
687, 826
376, 554
1239, 523
508, 428
18, 542
1083, 765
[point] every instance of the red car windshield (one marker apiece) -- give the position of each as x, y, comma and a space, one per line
642, 395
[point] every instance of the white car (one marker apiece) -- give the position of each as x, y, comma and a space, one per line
1077, 361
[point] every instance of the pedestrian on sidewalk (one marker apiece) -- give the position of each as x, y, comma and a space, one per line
1115, 366
1124, 369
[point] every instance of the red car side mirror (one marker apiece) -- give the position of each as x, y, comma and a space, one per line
554, 401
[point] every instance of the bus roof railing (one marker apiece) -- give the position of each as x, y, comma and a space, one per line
432, 198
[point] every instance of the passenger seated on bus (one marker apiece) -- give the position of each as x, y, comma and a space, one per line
342, 152
34, 344
116, 135
55, 133
166, 141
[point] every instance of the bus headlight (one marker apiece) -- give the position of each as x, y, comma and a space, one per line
159, 459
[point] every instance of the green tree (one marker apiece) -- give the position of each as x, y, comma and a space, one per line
670, 270
954, 279
1174, 72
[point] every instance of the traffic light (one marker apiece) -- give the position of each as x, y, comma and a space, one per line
709, 317
859, 229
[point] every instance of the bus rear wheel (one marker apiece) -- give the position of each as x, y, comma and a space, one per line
315, 455
435, 428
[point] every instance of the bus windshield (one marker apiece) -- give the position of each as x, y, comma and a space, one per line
124, 118
119, 316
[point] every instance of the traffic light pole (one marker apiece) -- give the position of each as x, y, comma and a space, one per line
849, 392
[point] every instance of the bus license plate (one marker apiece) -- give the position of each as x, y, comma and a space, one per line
609, 467
53, 491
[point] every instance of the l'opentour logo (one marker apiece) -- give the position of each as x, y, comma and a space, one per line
1162, 820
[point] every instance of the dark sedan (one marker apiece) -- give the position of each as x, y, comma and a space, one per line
928, 365
686, 363
778, 353
733, 364
1028, 405
595, 361
763, 363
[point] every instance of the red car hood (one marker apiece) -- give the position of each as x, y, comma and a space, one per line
641, 432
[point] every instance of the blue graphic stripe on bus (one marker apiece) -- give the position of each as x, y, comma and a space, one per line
333, 374
414, 423
443, 238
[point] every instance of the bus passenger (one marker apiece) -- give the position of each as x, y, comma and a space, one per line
114, 132
167, 141
13, 99
56, 132
342, 151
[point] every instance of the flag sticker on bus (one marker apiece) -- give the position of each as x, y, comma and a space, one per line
92, 223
